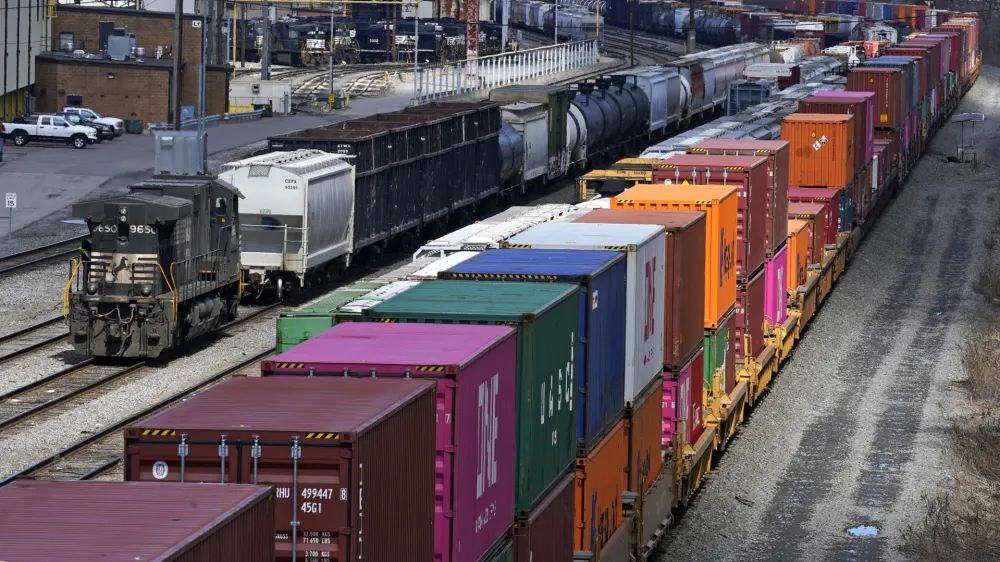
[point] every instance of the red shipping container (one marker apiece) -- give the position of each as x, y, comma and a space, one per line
777, 154
893, 140
815, 214
748, 320
547, 533
923, 56
644, 422
470, 362
84, 521
353, 437
888, 85
749, 174
690, 400
684, 313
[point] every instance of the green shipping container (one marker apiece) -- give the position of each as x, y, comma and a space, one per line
547, 318
716, 345
296, 326
501, 551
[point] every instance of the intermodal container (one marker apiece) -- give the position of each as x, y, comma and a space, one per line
547, 319
600, 359
354, 310
296, 326
690, 400
501, 551
747, 325
861, 105
889, 153
889, 87
50, 520
776, 274
799, 251
822, 149
833, 205
644, 422
749, 175
475, 370
323, 444
600, 481
815, 215
549, 531
911, 76
645, 246
777, 154
719, 205
670, 400
719, 359
684, 287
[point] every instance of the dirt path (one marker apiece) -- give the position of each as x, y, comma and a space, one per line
850, 435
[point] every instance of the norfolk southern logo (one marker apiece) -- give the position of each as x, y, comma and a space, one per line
121, 265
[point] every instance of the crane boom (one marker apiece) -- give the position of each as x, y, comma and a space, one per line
471, 30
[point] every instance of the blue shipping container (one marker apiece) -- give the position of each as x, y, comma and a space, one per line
887, 12
601, 357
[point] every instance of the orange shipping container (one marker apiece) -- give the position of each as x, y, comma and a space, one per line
720, 205
822, 149
644, 424
799, 243
815, 215
600, 481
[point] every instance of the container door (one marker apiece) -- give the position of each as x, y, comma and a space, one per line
316, 492
535, 146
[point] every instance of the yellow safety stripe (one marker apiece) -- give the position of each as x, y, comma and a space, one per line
322, 435
501, 276
159, 432
290, 365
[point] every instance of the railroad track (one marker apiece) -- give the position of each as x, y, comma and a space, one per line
22, 342
73, 386
319, 84
42, 254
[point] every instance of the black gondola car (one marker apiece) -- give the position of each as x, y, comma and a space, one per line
163, 267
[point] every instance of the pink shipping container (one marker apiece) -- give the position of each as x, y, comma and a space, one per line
869, 126
775, 287
669, 410
45, 521
475, 368
690, 398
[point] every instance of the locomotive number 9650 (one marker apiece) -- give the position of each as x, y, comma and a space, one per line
132, 228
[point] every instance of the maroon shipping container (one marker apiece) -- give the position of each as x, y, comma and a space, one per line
888, 157
777, 153
350, 439
830, 199
44, 521
547, 534
857, 107
748, 320
469, 364
684, 301
923, 56
889, 85
749, 174
816, 215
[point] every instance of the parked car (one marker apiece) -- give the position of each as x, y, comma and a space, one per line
92, 115
47, 128
104, 132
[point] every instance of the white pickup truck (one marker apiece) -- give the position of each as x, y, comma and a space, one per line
115, 123
47, 128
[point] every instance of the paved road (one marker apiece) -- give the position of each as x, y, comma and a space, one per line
854, 430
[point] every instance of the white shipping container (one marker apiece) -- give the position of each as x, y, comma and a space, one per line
441, 264
489, 234
378, 296
297, 209
645, 246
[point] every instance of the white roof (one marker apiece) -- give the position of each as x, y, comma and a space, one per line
443, 264
299, 162
378, 296
597, 236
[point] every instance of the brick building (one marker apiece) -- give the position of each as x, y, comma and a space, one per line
125, 89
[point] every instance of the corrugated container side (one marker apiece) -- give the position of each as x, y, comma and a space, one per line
549, 531
815, 214
645, 428
888, 86
645, 247
475, 370
822, 149
600, 482
719, 205
858, 109
776, 281
777, 154
296, 326
830, 199
670, 402
364, 431
717, 348
748, 318
601, 355
53, 520
547, 318
749, 175
799, 249
684, 288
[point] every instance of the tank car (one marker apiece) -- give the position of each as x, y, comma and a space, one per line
163, 267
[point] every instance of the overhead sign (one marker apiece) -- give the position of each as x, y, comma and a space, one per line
11, 200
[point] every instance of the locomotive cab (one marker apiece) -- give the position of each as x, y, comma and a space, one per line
163, 267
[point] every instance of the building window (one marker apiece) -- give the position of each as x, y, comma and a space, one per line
65, 40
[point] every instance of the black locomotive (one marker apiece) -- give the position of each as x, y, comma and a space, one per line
161, 267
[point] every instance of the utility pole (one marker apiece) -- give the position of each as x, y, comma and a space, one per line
691, 39
243, 43
555, 20
265, 57
471, 35
631, 34
175, 86
333, 36
506, 25
202, 78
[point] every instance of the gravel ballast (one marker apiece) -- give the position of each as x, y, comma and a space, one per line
852, 431
27, 297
